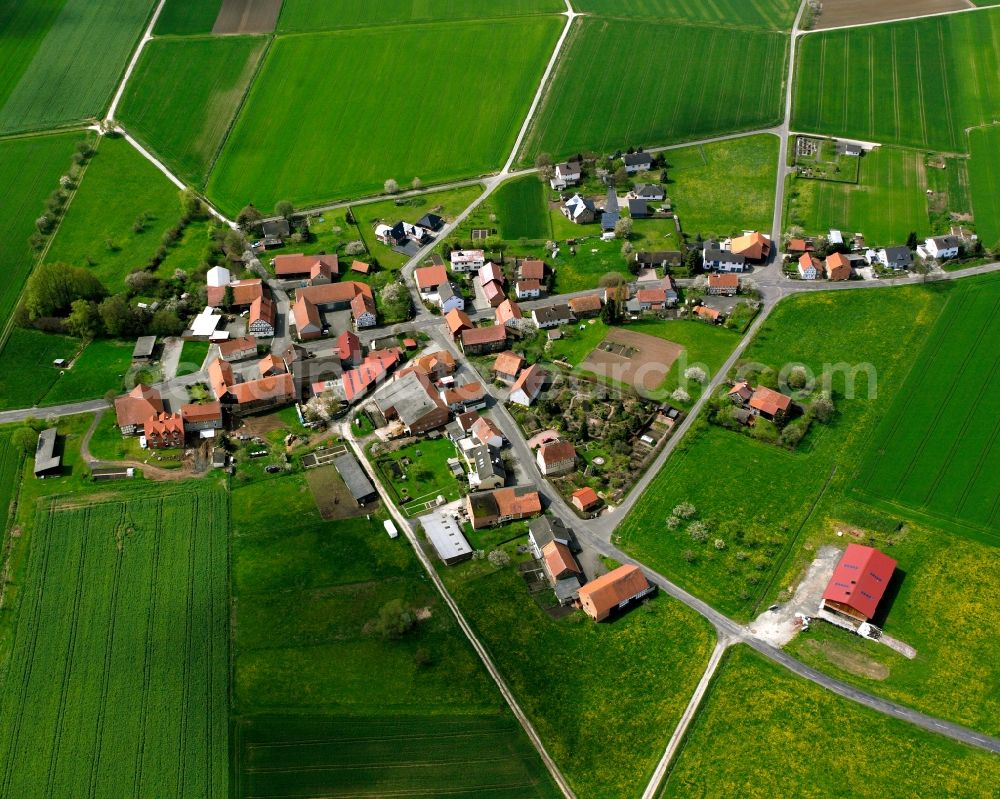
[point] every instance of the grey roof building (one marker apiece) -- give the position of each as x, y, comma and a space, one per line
46, 460
354, 478
612, 213
489, 470
446, 537
410, 399
546, 529
276, 229
144, 347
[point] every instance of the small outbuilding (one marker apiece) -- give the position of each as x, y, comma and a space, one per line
47, 462
143, 350
355, 479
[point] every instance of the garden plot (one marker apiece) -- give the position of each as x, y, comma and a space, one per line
635, 359
837, 13
247, 16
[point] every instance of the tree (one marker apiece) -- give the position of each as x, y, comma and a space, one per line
191, 205
499, 558
620, 177
228, 297
797, 377
911, 240
25, 439
417, 184
822, 409
695, 373
84, 321
396, 301
394, 620
234, 244
284, 209
120, 320
543, 160
680, 395
422, 657
693, 261
139, 282
685, 510
391, 186
923, 267
166, 322
623, 228
248, 217
52, 289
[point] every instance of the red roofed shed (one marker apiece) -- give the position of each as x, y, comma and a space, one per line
858, 582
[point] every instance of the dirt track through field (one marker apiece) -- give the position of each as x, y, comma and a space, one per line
646, 368
836, 13
247, 16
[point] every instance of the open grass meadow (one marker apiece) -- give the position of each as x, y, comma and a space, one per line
366, 114
11, 459
762, 499
184, 95
304, 16
382, 756
72, 69
588, 688
522, 212
887, 203
920, 83
118, 672
764, 732
30, 169
98, 231
102, 366
937, 451
621, 84
186, 17
767, 14
192, 357
984, 177
726, 186
26, 370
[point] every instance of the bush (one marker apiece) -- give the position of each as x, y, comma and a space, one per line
698, 531
353, 248
673, 522
680, 395
719, 544
685, 510
695, 373
499, 558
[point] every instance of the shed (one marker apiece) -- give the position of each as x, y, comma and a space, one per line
446, 537
46, 461
143, 350
355, 479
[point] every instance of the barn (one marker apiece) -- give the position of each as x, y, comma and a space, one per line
858, 583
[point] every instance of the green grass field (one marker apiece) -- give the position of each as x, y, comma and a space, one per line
74, 69
192, 357
448, 118
118, 187
22, 31
769, 14
332, 756
559, 672
303, 16
184, 95
426, 477
117, 678
724, 187
669, 83
764, 732
101, 366
521, 210
937, 452
26, 370
921, 83
984, 177
185, 17
29, 171
760, 498
888, 202
10, 475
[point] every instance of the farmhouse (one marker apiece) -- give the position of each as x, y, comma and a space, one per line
134, 408
248, 395
660, 259
489, 508
317, 268
305, 315
143, 350
412, 400
483, 340
357, 382
487, 471
528, 386
585, 499
508, 313
637, 162
725, 284
363, 311
467, 260
565, 174
429, 278
579, 210
551, 316
614, 591
446, 537
507, 366
858, 583
651, 299
238, 349
810, 267
838, 267
164, 431
544, 530
716, 259
528, 289
347, 347
486, 432
769, 404
585, 306
740, 393
262, 317
275, 229
47, 462
201, 417
753, 246
449, 299
435, 365
895, 257
798, 247
940, 247
334, 296
457, 321
244, 293
355, 479
556, 458
647, 191
559, 562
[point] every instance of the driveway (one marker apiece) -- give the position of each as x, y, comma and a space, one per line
171, 357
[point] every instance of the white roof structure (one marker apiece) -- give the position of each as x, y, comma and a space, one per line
218, 276
206, 322
446, 536
836, 237
390, 528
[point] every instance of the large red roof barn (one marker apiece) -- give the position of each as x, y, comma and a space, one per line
858, 582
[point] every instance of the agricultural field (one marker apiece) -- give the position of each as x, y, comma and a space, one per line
118, 671
185, 17
762, 499
10, 467
670, 83
30, 169
767, 14
759, 734
24, 28
304, 16
183, 110
919, 83
937, 452
558, 670
723, 187
26, 370
887, 203
99, 229
75, 67
521, 210
984, 177
397, 127
332, 755
837, 13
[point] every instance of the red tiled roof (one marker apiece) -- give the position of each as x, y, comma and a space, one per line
330, 293
585, 497
651, 295
361, 305
457, 320
234, 345
559, 560
163, 424
220, 376
556, 452
770, 402
531, 380
494, 293
484, 429
269, 363
723, 280
138, 405
347, 346
705, 311
262, 309
484, 335
489, 272
440, 363
203, 412
360, 267
246, 291
305, 314
532, 270
278, 388
469, 392
508, 363
508, 311
807, 260
515, 501
299, 264
754, 246
588, 302
429, 277
860, 579
602, 595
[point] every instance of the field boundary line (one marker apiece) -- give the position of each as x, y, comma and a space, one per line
123, 82
463, 624
898, 20
701, 691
